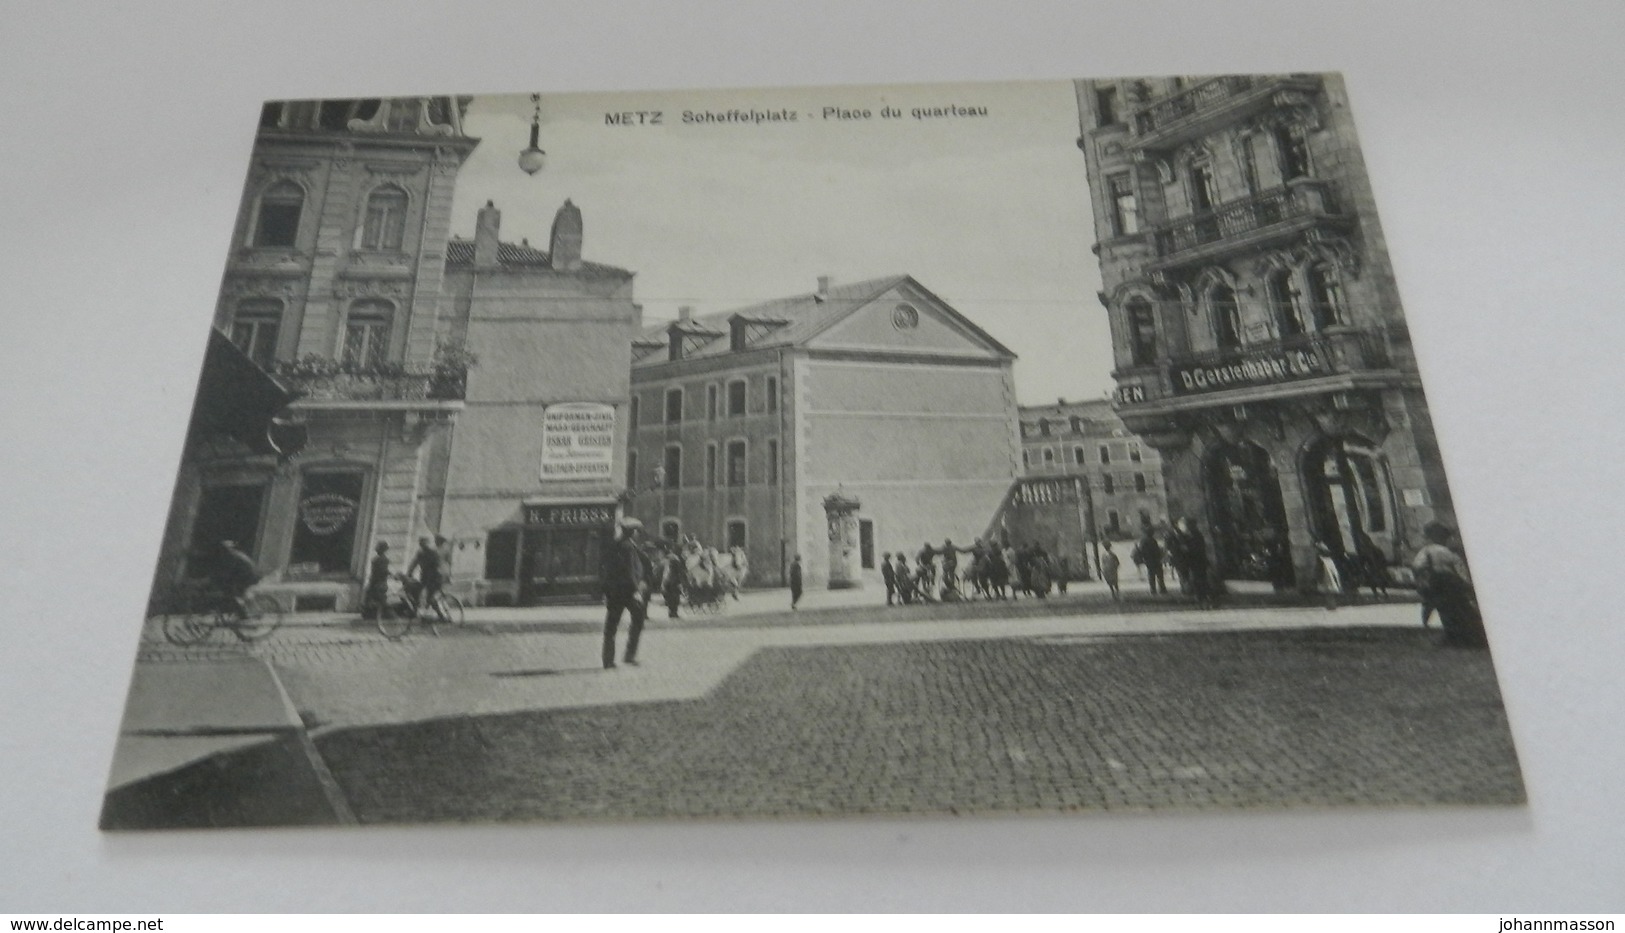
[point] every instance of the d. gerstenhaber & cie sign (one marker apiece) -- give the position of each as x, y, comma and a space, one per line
578, 441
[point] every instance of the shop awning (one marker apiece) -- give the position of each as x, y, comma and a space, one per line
238, 399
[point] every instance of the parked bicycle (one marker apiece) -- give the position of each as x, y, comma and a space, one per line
198, 614
402, 607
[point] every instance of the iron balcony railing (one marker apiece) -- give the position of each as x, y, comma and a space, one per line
1197, 98
362, 385
1302, 199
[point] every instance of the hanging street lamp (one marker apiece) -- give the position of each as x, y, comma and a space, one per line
533, 158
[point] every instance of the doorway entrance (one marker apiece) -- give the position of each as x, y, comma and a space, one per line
560, 551
1249, 518
1349, 500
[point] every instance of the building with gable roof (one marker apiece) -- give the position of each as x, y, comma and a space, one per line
746, 423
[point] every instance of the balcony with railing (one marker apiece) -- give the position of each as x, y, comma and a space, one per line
1252, 222
328, 383
1203, 107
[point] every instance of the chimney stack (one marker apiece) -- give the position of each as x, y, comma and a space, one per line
685, 314
487, 227
565, 245
823, 285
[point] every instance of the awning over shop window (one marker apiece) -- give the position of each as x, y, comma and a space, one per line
238, 399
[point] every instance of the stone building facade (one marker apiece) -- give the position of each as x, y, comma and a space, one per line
760, 426
1123, 476
1259, 341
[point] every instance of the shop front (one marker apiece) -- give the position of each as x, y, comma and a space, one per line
560, 549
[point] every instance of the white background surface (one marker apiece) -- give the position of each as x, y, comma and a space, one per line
1493, 134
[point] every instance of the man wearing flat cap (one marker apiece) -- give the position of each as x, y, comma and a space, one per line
626, 572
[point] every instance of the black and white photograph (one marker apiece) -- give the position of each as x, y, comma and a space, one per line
939, 449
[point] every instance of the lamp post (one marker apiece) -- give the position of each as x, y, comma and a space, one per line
533, 158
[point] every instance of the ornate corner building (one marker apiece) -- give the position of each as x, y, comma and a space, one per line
1259, 342
466, 388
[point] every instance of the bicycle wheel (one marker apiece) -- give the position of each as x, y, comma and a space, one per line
448, 608
186, 628
264, 616
393, 621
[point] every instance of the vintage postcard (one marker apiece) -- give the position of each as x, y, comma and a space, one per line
1029, 447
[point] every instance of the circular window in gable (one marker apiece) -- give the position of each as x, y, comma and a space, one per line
905, 317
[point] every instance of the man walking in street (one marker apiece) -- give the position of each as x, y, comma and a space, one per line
888, 576
795, 581
626, 580
1151, 556
1109, 563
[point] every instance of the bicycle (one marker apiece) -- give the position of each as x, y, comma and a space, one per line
401, 608
199, 615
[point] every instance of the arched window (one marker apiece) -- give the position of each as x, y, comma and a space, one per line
280, 208
1287, 303
1226, 316
255, 328
385, 221
1142, 332
366, 334
1326, 292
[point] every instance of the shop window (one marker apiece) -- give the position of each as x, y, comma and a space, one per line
255, 328
385, 223
280, 209
366, 334
1125, 205
671, 470
224, 513
1326, 293
324, 535
738, 472
736, 398
1142, 330
736, 533
502, 554
674, 406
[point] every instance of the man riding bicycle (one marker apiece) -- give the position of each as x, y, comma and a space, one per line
234, 574
427, 564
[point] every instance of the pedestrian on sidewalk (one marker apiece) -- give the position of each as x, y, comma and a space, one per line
888, 576
795, 581
1193, 557
1109, 562
625, 573
1150, 554
672, 578
374, 603
1328, 578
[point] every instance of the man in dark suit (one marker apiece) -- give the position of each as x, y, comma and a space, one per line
888, 576
625, 574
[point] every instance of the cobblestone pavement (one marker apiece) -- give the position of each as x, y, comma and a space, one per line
1300, 717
